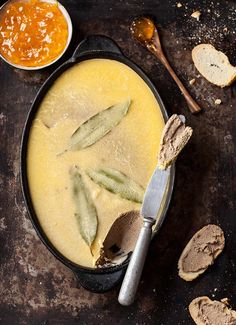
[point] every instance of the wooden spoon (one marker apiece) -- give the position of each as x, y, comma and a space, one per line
145, 32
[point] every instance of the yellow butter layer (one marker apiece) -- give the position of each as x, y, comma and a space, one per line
131, 147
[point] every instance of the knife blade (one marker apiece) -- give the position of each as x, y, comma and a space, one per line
154, 194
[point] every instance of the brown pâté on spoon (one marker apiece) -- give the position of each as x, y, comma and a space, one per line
145, 32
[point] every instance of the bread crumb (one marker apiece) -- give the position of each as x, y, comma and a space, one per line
225, 301
196, 15
218, 101
179, 5
192, 81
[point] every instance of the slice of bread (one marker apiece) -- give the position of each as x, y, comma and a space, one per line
201, 252
205, 311
213, 65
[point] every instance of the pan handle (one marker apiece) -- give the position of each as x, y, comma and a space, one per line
99, 282
96, 44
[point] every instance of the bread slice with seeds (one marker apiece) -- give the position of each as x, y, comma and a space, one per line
213, 65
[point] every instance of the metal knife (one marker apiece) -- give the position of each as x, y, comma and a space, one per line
149, 211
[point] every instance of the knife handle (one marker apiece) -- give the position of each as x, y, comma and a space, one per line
132, 276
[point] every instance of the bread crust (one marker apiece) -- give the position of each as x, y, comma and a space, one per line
194, 312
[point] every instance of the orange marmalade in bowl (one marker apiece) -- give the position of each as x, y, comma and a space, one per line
33, 33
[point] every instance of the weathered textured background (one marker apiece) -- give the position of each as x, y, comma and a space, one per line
34, 287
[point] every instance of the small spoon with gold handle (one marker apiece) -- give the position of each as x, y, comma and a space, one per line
145, 32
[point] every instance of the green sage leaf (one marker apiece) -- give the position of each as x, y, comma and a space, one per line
86, 212
98, 126
118, 183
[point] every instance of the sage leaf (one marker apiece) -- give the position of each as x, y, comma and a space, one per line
86, 212
118, 183
98, 126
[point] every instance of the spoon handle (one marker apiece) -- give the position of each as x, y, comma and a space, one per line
193, 106
132, 276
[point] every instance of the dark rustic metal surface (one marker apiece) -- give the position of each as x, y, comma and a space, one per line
34, 287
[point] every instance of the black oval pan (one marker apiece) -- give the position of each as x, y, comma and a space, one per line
95, 280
